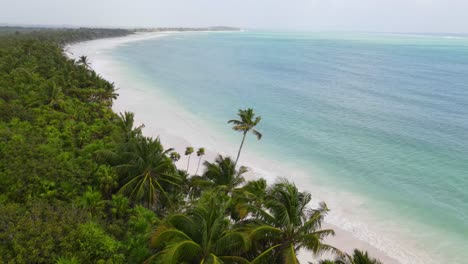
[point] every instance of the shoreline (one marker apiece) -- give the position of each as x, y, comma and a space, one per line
178, 128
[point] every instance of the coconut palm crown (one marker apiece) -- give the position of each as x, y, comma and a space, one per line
358, 257
83, 60
246, 123
149, 172
203, 235
188, 152
200, 153
223, 173
287, 225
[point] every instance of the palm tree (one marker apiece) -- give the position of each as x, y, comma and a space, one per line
119, 206
246, 123
175, 156
202, 235
286, 225
358, 257
188, 152
91, 201
108, 180
246, 199
222, 173
127, 123
67, 260
83, 60
200, 153
55, 96
150, 172
361, 257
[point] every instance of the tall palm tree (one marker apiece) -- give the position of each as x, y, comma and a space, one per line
222, 173
188, 152
200, 153
286, 224
246, 123
202, 235
150, 172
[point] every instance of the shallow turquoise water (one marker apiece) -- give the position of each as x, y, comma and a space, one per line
385, 116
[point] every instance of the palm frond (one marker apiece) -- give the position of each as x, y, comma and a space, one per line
315, 220
177, 252
264, 256
258, 232
235, 122
257, 120
257, 134
236, 242
167, 235
234, 259
106, 155
212, 259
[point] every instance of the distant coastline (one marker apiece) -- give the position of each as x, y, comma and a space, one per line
187, 29
29, 28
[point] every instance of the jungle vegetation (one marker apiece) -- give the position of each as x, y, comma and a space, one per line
80, 183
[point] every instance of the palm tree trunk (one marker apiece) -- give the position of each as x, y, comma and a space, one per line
198, 165
240, 148
188, 162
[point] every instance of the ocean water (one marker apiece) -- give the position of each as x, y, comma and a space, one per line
382, 116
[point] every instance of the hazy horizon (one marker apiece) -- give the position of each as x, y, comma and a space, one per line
70, 26
410, 16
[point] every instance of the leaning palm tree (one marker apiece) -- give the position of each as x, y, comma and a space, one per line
246, 123
286, 225
150, 172
200, 153
202, 235
188, 152
222, 173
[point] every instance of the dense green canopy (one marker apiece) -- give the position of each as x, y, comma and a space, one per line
81, 184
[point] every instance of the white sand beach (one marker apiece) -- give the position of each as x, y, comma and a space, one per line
178, 128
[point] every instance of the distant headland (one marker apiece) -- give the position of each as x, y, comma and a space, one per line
161, 29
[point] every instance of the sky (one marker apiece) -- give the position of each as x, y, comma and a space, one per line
435, 16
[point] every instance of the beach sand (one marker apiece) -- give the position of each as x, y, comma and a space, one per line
178, 128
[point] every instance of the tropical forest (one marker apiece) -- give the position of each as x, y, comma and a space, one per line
80, 183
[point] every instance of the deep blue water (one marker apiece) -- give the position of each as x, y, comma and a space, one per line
384, 116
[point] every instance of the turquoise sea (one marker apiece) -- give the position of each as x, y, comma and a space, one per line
383, 116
